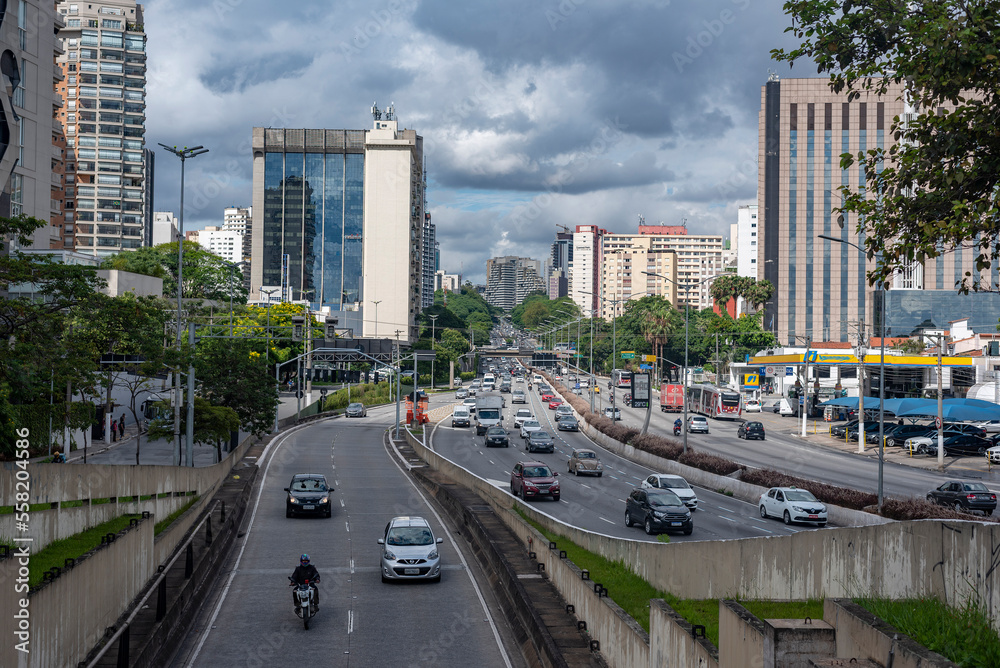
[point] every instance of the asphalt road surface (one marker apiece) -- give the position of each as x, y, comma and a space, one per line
361, 621
589, 502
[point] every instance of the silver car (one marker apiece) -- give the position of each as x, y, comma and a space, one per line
410, 551
356, 410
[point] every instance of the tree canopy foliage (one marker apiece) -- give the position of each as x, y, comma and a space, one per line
206, 275
937, 187
731, 286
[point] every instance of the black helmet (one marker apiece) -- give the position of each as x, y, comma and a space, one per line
304, 560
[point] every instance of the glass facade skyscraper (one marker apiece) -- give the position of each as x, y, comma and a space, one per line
313, 217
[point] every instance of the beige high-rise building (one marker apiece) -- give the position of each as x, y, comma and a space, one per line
699, 257
622, 279
104, 116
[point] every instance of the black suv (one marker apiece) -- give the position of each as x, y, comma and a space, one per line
657, 510
751, 430
308, 493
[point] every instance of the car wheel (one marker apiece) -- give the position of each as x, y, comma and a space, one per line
628, 519
981, 451
329, 512
958, 507
649, 527
687, 532
787, 518
599, 475
821, 525
512, 490
763, 512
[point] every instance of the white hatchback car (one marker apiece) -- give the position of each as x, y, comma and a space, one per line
675, 484
522, 415
751, 406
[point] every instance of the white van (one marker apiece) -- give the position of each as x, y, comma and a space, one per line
489, 380
788, 407
461, 417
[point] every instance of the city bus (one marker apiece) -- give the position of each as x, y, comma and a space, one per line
152, 408
620, 378
715, 402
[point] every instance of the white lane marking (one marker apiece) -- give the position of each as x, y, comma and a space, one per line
352, 566
350, 621
246, 539
342, 504
347, 525
475, 585
583, 484
606, 520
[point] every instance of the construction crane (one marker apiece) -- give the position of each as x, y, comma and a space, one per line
565, 229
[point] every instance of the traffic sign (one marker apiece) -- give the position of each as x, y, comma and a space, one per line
650, 358
646, 367
628, 354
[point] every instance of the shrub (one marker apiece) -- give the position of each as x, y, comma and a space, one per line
706, 462
661, 446
838, 496
914, 508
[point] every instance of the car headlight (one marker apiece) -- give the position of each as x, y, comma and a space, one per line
389, 555
658, 515
325, 499
432, 555
292, 499
798, 509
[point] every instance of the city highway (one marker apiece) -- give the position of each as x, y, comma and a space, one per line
589, 502
362, 621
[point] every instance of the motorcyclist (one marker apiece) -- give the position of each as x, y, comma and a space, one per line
57, 458
305, 571
677, 425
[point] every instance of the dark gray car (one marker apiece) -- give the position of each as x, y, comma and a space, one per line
540, 441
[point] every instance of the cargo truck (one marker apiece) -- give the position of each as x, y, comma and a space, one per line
671, 398
489, 412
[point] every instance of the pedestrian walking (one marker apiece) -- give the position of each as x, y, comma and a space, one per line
121, 427
114, 430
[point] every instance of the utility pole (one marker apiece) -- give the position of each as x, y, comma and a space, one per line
940, 415
399, 372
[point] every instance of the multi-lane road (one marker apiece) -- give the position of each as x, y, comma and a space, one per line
362, 621
589, 502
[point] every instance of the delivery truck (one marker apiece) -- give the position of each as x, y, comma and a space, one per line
671, 398
489, 411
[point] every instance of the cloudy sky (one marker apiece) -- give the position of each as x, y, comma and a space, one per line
534, 113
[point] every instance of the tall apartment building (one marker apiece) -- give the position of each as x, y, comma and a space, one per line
32, 148
337, 219
104, 116
561, 271
447, 282
429, 259
510, 279
622, 277
747, 241
586, 279
699, 257
240, 220
227, 244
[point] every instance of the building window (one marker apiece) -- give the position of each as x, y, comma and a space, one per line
22, 23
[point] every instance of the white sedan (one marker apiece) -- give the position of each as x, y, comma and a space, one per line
529, 426
993, 454
675, 484
792, 505
522, 415
927, 444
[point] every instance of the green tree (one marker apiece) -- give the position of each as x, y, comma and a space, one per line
212, 425
938, 186
232, 373
206, 275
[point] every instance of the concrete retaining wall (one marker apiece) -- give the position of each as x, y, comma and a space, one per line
671, 642
69, 615
741, 637
862, 635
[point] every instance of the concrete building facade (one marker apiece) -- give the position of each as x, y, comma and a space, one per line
337, 218
747, 241
164, 228
510, 279
586, 279
447, 282
104, 97
622, 279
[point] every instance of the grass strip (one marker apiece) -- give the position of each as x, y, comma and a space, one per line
73, 547
963, 635
71, 504
169, 519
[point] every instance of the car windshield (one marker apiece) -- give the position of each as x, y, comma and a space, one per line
524, 412
540, 436
799, 495
355, 406
537, 472
309, 485
663, 499
496, 431
975, 487
583, 454
698, 419
674, 483
409, 536
531, 423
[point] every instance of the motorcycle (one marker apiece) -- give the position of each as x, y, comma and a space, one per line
627, 399
677, 430
304, 595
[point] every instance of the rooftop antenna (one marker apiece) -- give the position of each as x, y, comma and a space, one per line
390, 113
642, 220
376, 112
772, 75
684, 223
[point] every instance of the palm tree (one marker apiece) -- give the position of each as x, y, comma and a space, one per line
659, 324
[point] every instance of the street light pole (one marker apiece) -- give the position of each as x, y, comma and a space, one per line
183, 154
433, 346
881, 387
376, 302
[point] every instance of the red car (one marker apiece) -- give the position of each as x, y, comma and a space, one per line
534, 479
554, 404
548, 396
